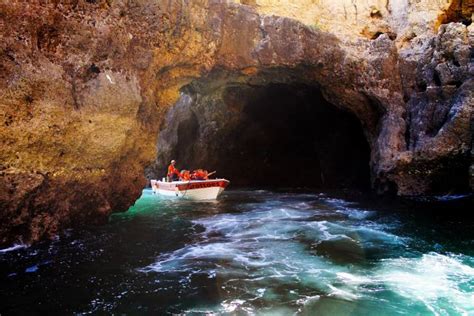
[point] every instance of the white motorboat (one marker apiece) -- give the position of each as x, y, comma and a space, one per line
192, 189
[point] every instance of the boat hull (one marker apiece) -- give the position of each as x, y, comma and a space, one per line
192, 190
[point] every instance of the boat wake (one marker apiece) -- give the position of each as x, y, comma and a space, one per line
248, 253
310, 252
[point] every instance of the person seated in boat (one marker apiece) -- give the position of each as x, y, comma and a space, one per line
173, 173
185, 175
200, 174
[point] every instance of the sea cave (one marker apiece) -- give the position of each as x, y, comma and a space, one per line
340, 133
274, 135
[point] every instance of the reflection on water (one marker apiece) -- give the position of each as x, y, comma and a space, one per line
252, 252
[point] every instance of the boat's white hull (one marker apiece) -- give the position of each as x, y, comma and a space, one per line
193, 190
196, 194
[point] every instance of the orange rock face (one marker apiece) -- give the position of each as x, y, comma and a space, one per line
84, 86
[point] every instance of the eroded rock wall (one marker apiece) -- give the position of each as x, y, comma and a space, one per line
85, 85
81, 100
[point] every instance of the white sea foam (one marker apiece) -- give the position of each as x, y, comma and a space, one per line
13, 248
357, 214
353, 279
451, 197
273, 245
342, 293
320, 231
232, 305
337, 202
443, 283
261, 238
305, 300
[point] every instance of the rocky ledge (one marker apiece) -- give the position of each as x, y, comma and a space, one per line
85, 86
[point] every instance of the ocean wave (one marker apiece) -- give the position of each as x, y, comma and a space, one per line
444, 283
13, 248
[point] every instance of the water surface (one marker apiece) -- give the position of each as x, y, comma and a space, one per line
251, 253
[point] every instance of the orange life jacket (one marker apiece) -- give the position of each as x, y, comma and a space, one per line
185, 176
200, 174
171, 170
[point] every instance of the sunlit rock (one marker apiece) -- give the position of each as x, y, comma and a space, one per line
86, 85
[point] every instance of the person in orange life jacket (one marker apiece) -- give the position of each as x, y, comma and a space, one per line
173, 173
199, 174
185, 175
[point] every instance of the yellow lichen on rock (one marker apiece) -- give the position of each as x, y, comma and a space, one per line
354, 18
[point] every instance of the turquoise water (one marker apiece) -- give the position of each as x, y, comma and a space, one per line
251, 253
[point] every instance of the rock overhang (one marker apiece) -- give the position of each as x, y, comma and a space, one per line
85, 87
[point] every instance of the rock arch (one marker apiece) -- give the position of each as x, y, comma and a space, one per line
83, 101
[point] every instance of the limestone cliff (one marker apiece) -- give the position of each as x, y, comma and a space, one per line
85, 85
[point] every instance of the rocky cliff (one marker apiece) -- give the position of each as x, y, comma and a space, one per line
85, 86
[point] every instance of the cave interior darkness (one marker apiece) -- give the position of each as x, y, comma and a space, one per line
274, 136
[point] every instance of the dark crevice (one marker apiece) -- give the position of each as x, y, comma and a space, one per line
406, 97
408, 131
421, 86
376, 14
392, 35
436, 79
376, 35
94, 69
457, 83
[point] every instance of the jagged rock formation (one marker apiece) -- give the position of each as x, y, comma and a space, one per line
85, 85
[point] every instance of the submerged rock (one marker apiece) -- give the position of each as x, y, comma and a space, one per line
85, 85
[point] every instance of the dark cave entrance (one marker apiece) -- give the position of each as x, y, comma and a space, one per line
277, 135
